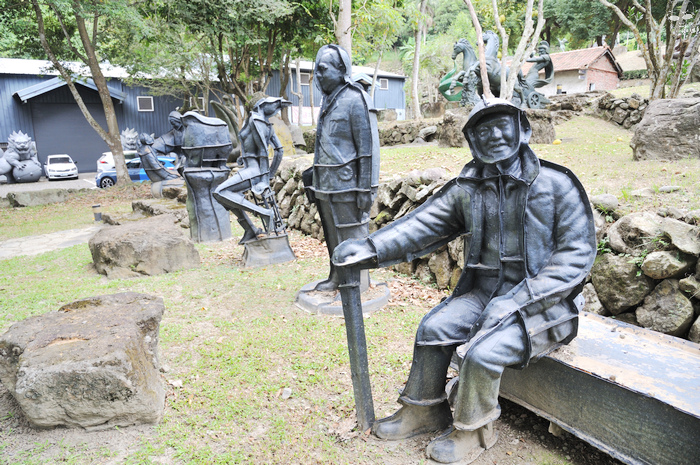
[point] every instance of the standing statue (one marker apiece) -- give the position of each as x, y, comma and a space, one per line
345, 174
226, 111
257, 135
532, 81
532, 244
20, 162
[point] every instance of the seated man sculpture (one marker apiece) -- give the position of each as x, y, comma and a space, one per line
531, 244
257, 136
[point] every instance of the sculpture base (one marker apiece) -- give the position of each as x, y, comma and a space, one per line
267, 250
375, 297
209, 220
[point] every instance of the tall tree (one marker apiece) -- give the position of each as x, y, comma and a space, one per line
88, 18
417, 34
342, 23
671, 35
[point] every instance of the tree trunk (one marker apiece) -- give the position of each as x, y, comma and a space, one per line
374, 76
480, 46
299, 93
416, 63
343, 34
111, 136
285, 75
311, 93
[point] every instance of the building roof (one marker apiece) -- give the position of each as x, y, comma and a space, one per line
45, 68
307, 66
579, 59
54, 83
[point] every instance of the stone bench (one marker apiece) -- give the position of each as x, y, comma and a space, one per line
630, 392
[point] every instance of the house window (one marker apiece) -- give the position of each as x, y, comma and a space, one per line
305, 78
144, 103
591, 86
198, 103
383, 84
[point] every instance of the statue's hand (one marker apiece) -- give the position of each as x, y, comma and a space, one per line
354, 252
364, 201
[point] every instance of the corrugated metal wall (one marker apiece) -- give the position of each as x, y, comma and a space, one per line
394, 97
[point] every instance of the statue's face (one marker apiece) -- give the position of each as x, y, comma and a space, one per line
329, 73
497, 138
271, 109
543, 50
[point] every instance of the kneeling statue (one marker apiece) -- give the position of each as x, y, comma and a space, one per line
531, 244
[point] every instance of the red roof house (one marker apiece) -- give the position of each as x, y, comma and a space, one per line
582, 70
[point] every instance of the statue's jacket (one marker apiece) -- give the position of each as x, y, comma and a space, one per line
552, 244
346, 158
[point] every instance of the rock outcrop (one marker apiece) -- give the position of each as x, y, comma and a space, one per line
670, 130
146, 247
92, 364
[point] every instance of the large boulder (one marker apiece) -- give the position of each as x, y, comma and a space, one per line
543, 131
670, 130
634, 233
619, 283
666, 310
667, 264
683, 236
91, 364
147, 247
41, 197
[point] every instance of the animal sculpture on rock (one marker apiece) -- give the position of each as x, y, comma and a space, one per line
22, 159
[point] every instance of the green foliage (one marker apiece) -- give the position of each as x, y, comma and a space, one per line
378, 26
635, 74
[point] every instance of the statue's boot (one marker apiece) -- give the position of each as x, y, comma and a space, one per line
411, 420
461, 446
250, 231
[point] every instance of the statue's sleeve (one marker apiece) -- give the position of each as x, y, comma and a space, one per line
571, 259
363, 138
442, 218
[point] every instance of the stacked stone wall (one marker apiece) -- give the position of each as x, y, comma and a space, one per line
647, 272
626, 112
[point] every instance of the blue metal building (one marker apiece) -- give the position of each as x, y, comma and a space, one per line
389, 93
36, 100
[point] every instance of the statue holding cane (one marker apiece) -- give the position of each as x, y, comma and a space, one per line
531, 245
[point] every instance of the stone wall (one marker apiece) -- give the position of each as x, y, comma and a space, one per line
647, 272
624, 111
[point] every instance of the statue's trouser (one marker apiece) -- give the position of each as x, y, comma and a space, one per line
209, 220
230, 195
342, 220
476, 403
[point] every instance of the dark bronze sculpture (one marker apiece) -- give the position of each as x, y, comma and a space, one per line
465, 85
170, 143
154, 169
253, 179
531, 245
255, 173
20, 162
206, 145
345, 175
532, 81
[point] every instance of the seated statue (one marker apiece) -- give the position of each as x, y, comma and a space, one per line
21, 163
531, 245
256, 136
170, 143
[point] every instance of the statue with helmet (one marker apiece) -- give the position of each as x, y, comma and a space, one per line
530, 242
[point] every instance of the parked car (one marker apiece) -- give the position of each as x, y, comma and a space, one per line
108, 178
106, 161
60, 167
